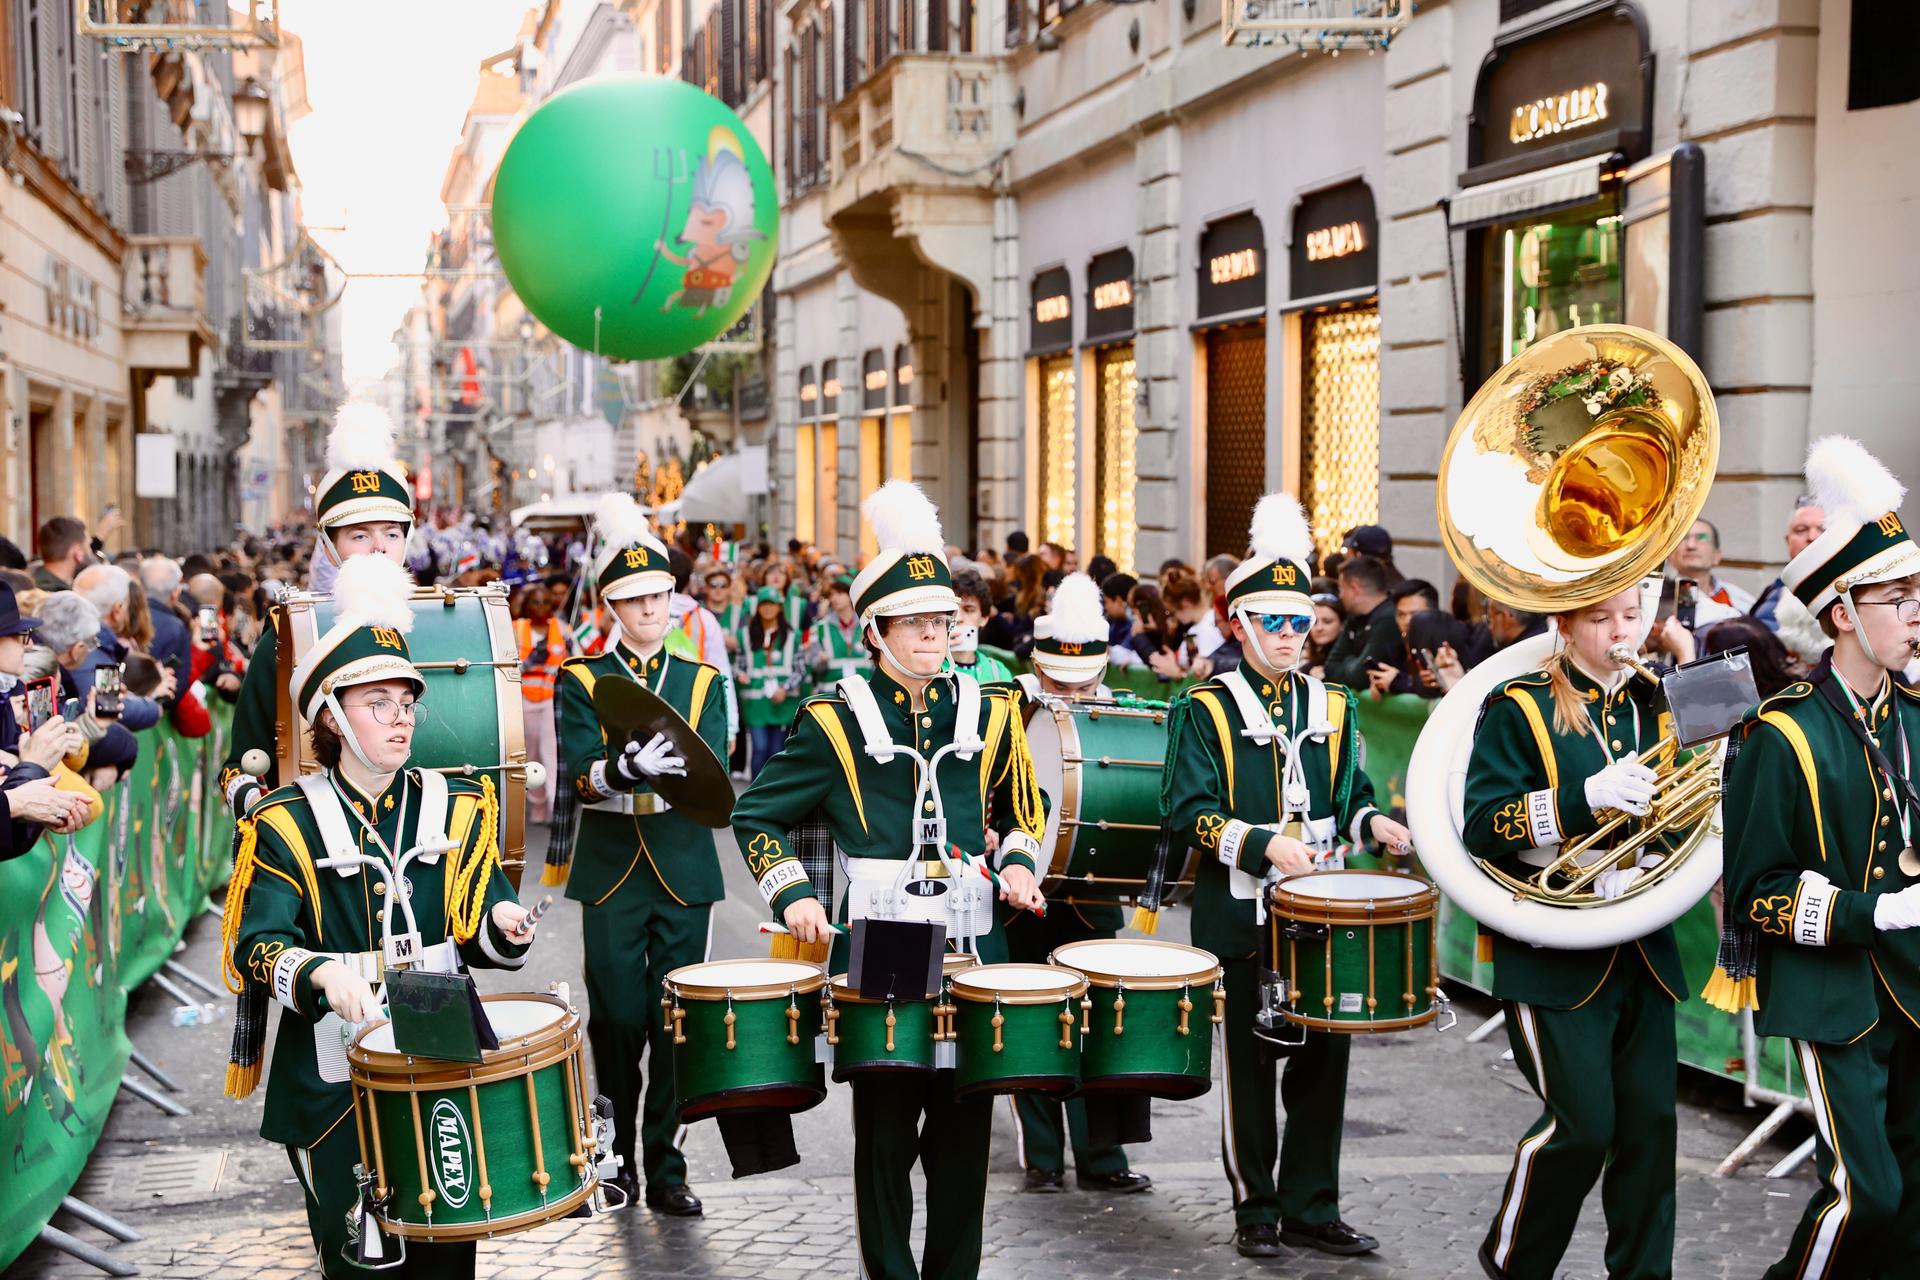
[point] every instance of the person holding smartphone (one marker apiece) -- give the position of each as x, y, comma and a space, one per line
29, 800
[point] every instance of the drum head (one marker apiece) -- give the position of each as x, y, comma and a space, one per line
1130, 958
512, 1018
715, 978
1354, 886
1018, 983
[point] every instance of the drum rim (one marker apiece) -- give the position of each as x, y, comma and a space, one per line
1203, 976
840, 991
1063, 712
488, 1228
1421, 905
527, 1053
1078, 987
1370, 1026
807, 986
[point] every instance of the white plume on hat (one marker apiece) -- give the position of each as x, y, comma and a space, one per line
362, 438
1279, 530
620, 520
1078, 615
373, 591
903, 518
1854, 486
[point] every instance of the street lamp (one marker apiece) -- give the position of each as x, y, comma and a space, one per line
252, 107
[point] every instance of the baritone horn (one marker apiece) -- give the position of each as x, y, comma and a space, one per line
1570, 477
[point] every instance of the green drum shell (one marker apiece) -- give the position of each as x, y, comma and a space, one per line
1366, 975
770, 1067
478, 1124
1031, 1057
463, 642
1138, 1047
857, 1031
1100, 762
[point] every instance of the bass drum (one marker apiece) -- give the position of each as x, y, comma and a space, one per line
1437, 814
463, 643
1100, 763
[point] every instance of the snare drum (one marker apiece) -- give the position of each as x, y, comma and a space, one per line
743, 1033
873, 1037
1355, 950
467, 1151
1017, 1028
1100, 764
463, 643
1147, 1021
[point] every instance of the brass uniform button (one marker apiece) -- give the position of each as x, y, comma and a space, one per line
1610, 719
1886, 793
382, 886
1879, 873
379, 916
929, 806
1880, 848
1616, 744
926, 722
1884, 819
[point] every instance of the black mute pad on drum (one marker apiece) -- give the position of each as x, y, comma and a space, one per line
438, 1015
896, 959
1116, 1119
758, 1143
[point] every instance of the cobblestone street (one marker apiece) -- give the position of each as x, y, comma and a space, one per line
1430, 1124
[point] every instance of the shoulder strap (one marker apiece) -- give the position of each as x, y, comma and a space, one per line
866, 714
1257, 724
1029, 683
433, 805
330, 818
1859, 730
966, 724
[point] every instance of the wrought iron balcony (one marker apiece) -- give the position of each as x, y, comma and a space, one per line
164, 296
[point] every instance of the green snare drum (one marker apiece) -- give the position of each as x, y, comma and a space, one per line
880, 1036
466, 1151
463, 643
1147, 1020
743, 1036
1017, 1028
1100, 764
1354, 950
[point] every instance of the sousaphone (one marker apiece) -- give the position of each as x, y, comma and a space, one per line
1570, 477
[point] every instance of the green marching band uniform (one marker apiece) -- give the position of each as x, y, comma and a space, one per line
1592, 1030
286, 915
1816, 879
364, 483
1070, 648
871, 808
765, 668
645, 876
1226, 794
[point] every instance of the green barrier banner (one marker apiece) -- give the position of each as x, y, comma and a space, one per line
83, 920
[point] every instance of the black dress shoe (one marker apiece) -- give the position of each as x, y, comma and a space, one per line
1261, 1240
1330, 1237
624, 1184
676, 1202
1046, 1181
1123, 1183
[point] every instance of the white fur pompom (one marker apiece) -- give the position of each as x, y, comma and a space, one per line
1279, 529
373, 591
362, 438
619, 520
1077, 615
1852, 484
904, 519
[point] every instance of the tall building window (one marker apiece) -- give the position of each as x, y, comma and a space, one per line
1340, 421
1058, 455
1113, 461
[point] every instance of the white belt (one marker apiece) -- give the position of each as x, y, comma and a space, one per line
639, 805
888, 868
441, 957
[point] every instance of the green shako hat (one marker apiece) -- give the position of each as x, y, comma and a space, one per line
1866, 541
632, 561
368, 638
909, 575
1275, 579
365, 481
1070, 639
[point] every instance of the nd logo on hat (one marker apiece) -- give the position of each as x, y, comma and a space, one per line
386, 638
636, 557
366, 481
1284, 575
921, 568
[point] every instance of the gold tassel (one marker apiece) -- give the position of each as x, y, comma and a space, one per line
1483, 948
245, 860
1728, 996
783, 946
475, 874
554, 873
1146, 920
242, 1081
815, 952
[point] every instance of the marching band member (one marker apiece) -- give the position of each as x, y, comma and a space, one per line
905, 600
646, 877
319, 936
1069, 656
1821, 873
1592, 1030
364, 506
770, 678
1263, 777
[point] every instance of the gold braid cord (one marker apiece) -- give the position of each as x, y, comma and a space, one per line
245, 860
1029, 808
475, 873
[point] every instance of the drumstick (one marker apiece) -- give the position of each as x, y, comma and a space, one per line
980, 865
768, 926
1146, 914
540, 909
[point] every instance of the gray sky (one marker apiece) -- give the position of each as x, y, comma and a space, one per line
389, 81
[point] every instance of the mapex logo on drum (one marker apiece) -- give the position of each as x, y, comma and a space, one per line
926, 888
448, 1129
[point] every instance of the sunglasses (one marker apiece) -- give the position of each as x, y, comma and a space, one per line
1276, 623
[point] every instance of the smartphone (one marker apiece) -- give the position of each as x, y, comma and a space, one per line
1426, 656
209, 625
39, 702
1669, 597
107, 699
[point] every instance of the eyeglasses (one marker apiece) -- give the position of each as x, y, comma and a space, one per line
1908, 606
1276, 623
388, 712
924, 621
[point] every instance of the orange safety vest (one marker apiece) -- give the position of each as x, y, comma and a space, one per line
536, 683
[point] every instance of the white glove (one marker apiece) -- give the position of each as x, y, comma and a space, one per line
1898, 910
1626, 785
654, 760
1612, 884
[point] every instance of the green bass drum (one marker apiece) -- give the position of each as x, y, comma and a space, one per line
743, 1037
1149, 1013
1100, 763
1017, 1028
463, 643
1354, 951
876, 1037
464, 1151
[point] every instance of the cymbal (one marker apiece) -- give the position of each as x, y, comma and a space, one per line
631, 711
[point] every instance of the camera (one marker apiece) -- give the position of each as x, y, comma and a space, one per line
209, 625
107, 699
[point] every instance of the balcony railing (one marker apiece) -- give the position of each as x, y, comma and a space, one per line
925, 120
164, 296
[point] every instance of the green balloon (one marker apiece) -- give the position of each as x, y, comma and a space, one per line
635, 217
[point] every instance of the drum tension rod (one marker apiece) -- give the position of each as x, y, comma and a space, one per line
1186, 1006
793, 1016
890, 1024
1219, 1001
730, 1020
999, 1021
1119, 1008
1066, 1023
1086, 1015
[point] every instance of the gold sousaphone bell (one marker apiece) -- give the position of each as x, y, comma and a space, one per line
632, 712
1571, 476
